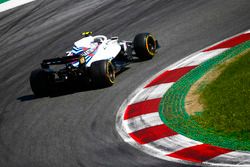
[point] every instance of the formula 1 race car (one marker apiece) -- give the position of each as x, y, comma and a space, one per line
96, 58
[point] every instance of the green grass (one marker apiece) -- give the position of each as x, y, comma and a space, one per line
2, 1
173, 112
227, 101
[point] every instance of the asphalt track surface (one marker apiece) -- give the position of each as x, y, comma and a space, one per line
77, 127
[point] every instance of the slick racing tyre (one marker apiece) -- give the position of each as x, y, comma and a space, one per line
41, 82
102, 73
145, 46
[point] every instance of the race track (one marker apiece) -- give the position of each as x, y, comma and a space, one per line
77, 128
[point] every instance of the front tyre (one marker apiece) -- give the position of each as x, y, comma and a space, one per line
41, 82
102, 73
145, 46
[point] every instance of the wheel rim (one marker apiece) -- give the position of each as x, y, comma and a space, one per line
110, 73
150, 45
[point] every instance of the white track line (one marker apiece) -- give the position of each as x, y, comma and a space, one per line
199, 58
152, 92
12, 4
172, 144
235, 158
142, 122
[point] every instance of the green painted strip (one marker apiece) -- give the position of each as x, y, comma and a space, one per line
172, 107
2, 1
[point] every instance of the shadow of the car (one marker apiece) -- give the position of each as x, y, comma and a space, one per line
61, 89
137, 60
66, 88
26, 98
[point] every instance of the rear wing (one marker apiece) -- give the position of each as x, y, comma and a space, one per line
59, 60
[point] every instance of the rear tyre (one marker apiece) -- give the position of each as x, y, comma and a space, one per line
102, 73
41, 82
145, 46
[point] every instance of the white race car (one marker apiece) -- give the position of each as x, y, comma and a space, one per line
96, 58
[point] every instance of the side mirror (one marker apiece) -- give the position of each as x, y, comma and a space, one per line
87, 33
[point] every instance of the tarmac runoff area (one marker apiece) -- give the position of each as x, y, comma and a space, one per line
139, 123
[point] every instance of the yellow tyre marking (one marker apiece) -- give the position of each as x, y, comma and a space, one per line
107, 73
151, 53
